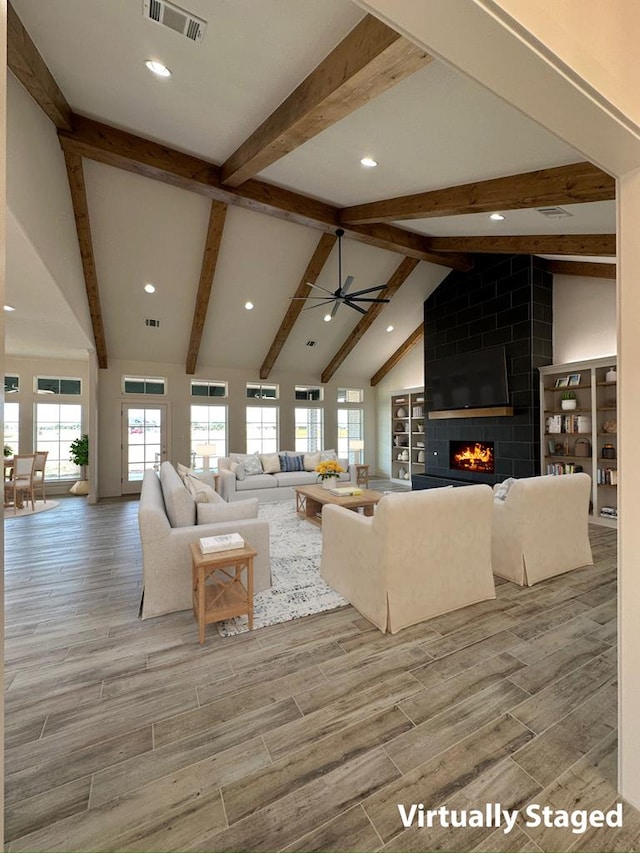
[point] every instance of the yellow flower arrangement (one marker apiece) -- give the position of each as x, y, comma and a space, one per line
329, 468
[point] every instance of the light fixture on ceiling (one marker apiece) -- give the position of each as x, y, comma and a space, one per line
9, 308
158, 68
389, 328
369, 162
248, 306
149, 288
497, 217
327, 318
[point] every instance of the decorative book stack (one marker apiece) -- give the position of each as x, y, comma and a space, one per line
226, 542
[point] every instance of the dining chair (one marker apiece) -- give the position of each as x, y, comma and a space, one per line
22, 478
38, 471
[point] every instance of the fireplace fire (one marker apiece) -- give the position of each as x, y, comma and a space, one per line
474, 456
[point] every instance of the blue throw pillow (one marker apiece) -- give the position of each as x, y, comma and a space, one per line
291, 463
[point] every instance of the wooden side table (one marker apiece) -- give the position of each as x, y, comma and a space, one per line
362, 476
221, 599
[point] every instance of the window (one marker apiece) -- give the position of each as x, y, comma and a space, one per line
57, 425
350, 395
143, 385
11, 384
208, 426
260, 391
12, 426
309, 432
304, 392
201, 388
57, 385
350, 428
262, 429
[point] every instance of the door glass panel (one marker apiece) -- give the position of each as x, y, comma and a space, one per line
144, 443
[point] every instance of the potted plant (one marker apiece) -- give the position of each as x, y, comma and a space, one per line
79, 454
568, 400
8, 451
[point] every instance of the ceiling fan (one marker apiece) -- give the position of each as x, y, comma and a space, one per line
341, 295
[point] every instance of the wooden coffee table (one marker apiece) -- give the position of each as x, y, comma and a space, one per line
311, 499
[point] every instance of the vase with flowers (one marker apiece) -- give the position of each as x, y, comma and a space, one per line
328, 471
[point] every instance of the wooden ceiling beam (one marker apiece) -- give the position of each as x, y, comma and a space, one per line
583, 268
25, 61
577, 183
536, 244
399, 354
310, 276
126, 151
212, 244
393, 285
367, 62
75, 174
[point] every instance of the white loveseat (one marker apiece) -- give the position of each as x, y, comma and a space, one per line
423, 553
169, 520
277, 486
541, 527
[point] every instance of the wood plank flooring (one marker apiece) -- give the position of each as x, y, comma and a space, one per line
129, 735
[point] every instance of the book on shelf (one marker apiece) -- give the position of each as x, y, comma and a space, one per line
224, 542
346, 491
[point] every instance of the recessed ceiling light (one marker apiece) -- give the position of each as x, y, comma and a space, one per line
327, 318
497, 217
9, 308
389, 328
149, 288
369, 162
158, 68
248, 306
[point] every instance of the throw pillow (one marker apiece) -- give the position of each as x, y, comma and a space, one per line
292, 463
183, 471
328, 455
311, 461
270, 463
237, 468
502, 491
201, 492
252, 464
208, 513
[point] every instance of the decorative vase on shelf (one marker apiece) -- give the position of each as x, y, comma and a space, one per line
611, 375
329, 482
401, 413
401, 474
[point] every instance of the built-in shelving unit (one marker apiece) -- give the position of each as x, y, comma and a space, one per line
407, 434
583, 438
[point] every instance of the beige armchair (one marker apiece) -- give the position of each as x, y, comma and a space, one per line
422, 554
541, 529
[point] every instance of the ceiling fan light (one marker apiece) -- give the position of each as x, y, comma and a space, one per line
327, 318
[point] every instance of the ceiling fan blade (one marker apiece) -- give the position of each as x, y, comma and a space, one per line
334, 310
330, 298
364, 299
317, 286
347, 284
355, 307
367, 290
318, 304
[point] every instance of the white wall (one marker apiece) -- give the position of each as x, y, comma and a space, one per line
584, 318
110, 399
409, 373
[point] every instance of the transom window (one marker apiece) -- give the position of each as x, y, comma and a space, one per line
350, 395
306, 392
262, 429
202, 388
309, 429
11, 384
57, 385
350, 429
208, 427
57, 425
143, 385
261, 391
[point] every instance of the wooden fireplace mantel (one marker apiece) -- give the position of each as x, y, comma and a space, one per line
489, 412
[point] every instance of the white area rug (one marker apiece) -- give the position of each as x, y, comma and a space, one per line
297, 588
11, 512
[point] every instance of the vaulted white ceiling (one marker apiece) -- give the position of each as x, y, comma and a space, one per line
434, 129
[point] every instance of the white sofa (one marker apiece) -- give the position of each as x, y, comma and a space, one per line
541, 528
270, 487
423, 553
170, 520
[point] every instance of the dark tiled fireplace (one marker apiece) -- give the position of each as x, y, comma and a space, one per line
475, 456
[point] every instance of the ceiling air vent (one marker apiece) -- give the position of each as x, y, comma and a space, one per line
554, 212
311, 343
149, 322
177, 19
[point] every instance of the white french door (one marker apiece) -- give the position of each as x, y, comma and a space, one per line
144, 442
